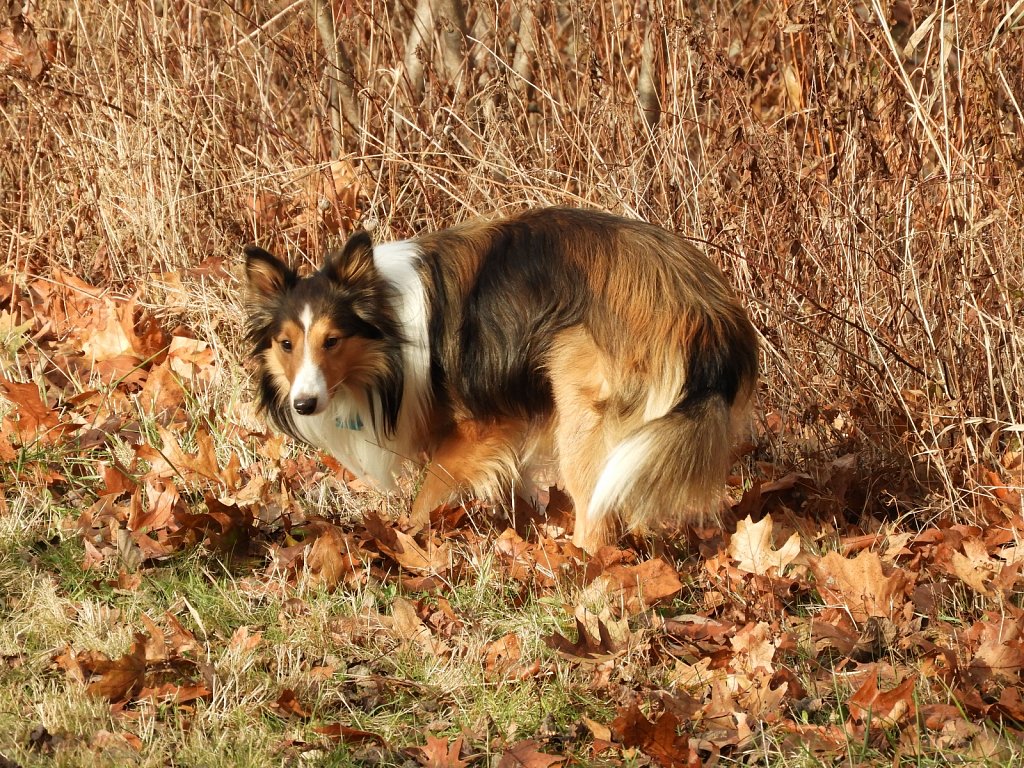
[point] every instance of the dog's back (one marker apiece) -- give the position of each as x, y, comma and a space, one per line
619, 337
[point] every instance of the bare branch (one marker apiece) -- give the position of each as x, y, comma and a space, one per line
522, 62
343, 104
450, 15
417, 47
453, 35
647, 89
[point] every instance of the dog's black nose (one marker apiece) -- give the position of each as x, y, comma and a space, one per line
305, 405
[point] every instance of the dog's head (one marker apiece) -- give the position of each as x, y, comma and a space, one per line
335, 329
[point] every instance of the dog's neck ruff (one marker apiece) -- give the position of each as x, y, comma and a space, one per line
344, 429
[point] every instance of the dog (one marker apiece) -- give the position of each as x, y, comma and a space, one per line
605, 354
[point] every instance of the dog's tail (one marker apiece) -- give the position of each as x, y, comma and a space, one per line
672, 469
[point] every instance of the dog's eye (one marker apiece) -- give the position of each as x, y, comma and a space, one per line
331, 342
286, 345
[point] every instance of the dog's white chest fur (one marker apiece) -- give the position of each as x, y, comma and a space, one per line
345, 430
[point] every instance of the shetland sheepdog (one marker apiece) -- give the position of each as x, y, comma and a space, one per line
604, 354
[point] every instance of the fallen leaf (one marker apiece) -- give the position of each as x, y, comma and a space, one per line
115, 481
20, 48
886, 708
1000, 654
660, 740
156, 645
974, 566
192, 360
243, 641
121, 680
632, 588
586, 647
862, 585
502, 653
162, 393
411, 629
331, 559
105, 740
410, 555
201, 461
32, 417
527, 754
754, 649
288, 705
438, 753
344, 734
600, 732
751, 548
170, 693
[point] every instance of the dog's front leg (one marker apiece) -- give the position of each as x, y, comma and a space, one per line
473, 458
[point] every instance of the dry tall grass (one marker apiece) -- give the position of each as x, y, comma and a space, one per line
856, 167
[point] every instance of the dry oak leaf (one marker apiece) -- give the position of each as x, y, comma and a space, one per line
34, 417
191, 359
886, 708
7, 451
337, 184
754, 649
156, 645
105, 741
20, 48
332, 556
162, 392
974, 567
516, 557
173, 460
344, 734
288, 705
328, 195
410, 628
526, 754
403, 549
1000, 654
587, 648
751, 548
754, 694
121, 680
177, 694
180, 639
121, 332
634, 587
1011, 704
862, 585
438, 753
411, 556
162, 501
242, 641
115, 480
659, 740
692, 677
503, 653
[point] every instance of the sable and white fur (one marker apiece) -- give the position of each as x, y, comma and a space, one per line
609, 349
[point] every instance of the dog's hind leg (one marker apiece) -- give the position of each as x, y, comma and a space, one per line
582, 427
581, 452
474, 457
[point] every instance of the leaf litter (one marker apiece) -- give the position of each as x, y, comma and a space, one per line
785, 624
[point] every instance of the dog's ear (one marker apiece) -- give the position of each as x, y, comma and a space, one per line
353, 263
267, 275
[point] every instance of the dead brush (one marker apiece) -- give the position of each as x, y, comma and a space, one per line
856, 170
